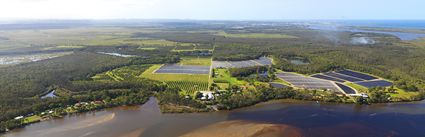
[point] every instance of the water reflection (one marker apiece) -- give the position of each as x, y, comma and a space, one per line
324, 119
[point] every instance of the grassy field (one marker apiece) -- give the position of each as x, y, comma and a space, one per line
402, 95
197, 61
399, 94
257, 35
73, 38
142, 48
184, 48
357, 87
32, 119
161, 42
223, 76
282, 82
187, 82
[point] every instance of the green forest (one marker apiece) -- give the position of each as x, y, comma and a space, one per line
89, 75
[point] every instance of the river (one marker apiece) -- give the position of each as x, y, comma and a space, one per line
294, 118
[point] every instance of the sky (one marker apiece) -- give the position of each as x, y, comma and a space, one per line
214, 9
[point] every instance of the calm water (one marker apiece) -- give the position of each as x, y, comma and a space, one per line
342, 26
404, 119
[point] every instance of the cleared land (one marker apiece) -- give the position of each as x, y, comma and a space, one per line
160, 42
222, 76
277, 85
359, 78
343, 77
195, 61
375, 83
301, 81
327, 78
263, 61
187, 82
179, 69
256, 35
17, 59
346, 89
357, 74
123, 73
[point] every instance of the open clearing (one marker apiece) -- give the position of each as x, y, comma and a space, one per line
179, 69
17, 59
263, 61
360, 79
187, 82
196, 61
301, 81
223, 76
122, 73
256, 35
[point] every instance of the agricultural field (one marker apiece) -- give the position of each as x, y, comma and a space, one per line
349, 76
359, 88
180, 69
223, 76
346, 89
256, 35
262, 61
184, 48
327, 78
78, 38
277, 85
124, 73
65, 37
204, 47
375, 83
146, 48
187, 82
63, 47
195, 61
301, 81
159, 42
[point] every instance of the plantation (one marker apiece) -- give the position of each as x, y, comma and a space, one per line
189, 86
185, 82
124, 73
197, 61
204, 46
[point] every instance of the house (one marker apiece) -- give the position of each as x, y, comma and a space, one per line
207, 95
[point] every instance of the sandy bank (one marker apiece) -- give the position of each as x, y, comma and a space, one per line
245, 129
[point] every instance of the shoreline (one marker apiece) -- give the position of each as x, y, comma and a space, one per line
196, 110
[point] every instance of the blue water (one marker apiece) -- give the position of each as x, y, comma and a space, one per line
345, 26
404, 24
